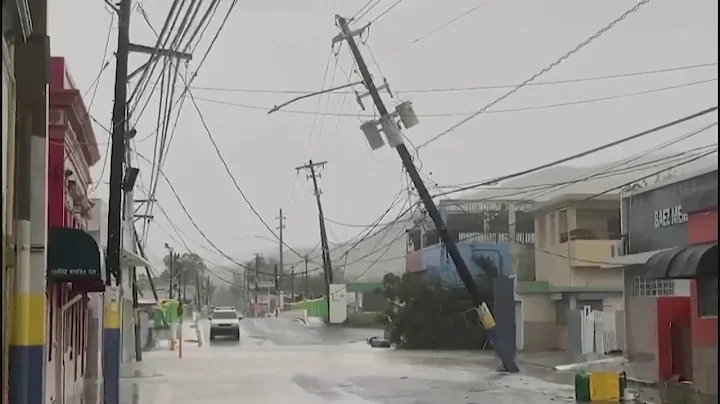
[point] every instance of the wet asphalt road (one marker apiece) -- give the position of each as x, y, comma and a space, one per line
281, 361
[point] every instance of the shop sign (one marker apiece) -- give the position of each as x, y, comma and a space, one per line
670, 217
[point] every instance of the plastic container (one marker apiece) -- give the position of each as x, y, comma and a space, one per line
582, 387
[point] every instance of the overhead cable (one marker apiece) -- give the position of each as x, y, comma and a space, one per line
478, 87
466, 113
546, 69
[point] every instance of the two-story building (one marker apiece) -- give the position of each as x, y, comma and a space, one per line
475, 225
72, 151
575, 235
670, 272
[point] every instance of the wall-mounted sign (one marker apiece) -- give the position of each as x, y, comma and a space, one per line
73, 256
670, 217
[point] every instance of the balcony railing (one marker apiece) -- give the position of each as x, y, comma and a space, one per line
589, 234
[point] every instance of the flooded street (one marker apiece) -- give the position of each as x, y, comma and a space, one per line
281, 361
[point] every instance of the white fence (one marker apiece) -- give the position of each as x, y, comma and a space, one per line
598, 331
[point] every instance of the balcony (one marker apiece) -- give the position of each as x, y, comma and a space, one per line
589, 234
589, 247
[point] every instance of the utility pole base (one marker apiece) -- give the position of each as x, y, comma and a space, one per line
504, 351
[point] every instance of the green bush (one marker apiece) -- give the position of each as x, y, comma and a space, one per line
425, 315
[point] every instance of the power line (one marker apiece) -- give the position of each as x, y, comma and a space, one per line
546, 69
476, 87
364, 13
587, 152
496, 111
187, 83
450, 22
387, 10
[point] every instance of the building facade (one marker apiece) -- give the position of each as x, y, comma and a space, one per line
575, 235
499, 230
8, 169
670, 279
73, 150
16, 27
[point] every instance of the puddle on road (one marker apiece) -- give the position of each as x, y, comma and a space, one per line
674, 394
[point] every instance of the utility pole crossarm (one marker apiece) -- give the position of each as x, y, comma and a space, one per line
155, 54
150, 50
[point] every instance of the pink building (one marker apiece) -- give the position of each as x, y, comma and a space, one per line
72, 151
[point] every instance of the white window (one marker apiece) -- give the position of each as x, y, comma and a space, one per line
653, 287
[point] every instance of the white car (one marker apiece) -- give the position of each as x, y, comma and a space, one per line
225, 323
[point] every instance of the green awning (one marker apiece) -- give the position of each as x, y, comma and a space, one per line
73, 256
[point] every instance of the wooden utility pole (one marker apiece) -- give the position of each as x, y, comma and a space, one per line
502, 347
327, 264
306, 277
278, 291
257, 274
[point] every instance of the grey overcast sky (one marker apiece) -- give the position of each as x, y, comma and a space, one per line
285, 45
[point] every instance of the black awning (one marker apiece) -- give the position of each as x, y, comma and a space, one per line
683, 263
73, 256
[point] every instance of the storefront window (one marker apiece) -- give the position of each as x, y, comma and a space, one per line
708, 296
653, 287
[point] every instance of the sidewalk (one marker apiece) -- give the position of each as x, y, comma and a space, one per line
564, 369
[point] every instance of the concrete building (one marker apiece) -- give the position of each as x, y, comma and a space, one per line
671, 280
575, 235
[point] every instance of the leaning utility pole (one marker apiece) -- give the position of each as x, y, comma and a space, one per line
395, 139
327, 264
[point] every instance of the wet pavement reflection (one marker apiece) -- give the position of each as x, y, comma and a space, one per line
281, 361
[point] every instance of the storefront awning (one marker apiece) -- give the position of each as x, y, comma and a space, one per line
683, 262
73, 255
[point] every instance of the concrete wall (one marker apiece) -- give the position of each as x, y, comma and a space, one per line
641, 346
541, 333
